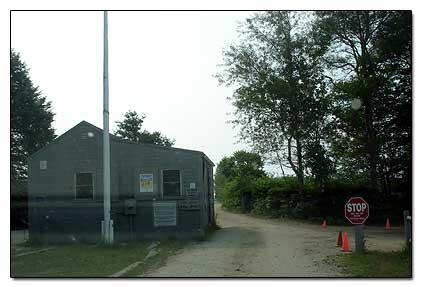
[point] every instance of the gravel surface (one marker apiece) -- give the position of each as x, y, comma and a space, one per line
246, 246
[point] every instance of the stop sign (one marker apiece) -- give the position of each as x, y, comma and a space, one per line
356, 210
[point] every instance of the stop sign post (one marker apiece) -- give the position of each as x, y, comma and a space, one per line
356, 210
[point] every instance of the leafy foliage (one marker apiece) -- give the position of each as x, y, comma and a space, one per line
369, 52
232, 194
31, 129
130, 128
241, 165
31, 120
282, 197
234, 177
271, 195
326, 94
280, 100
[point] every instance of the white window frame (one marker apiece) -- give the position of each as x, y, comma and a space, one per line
93, 185
162, 184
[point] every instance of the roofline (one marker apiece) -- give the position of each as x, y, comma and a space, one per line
118, 139
207, 159
58, 138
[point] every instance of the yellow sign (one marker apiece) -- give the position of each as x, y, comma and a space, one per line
146, 182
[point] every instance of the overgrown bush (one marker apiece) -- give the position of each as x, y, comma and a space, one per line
232, 195
280, 197
275, 197
238, 193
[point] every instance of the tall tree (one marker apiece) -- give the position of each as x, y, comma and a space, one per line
280, 87
30, 121
393, 118
346, 133
371, 51
130, 128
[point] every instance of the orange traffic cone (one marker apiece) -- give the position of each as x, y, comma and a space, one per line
345, 243
387, 224
324, 224
340, 239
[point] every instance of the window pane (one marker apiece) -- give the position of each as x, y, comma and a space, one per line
84, 191
84, 179
171, 189
171, 175
84, 185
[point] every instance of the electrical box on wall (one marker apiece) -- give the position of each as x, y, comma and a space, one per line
130, 206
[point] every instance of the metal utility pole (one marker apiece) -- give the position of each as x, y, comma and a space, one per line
107, 223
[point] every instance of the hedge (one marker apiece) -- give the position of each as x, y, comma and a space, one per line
281, 197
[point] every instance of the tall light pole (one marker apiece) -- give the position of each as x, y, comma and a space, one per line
107, 223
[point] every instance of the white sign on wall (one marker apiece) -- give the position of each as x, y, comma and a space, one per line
43, 164
165, 213
146, 182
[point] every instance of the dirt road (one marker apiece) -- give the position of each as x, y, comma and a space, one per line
251, 247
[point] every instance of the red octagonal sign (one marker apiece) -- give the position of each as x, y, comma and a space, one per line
356, 210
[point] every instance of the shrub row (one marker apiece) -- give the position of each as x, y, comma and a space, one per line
281, 197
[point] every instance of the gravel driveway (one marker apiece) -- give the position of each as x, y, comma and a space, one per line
252, 247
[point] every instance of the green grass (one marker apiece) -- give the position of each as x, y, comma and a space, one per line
375, 264
166, 249
84, 260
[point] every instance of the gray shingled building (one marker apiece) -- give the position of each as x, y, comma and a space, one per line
156, 192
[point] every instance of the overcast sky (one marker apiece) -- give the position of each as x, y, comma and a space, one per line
160, 64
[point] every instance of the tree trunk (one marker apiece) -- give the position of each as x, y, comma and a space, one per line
280, 163
294, 167
371, 144
297, 169
299, 163
367, 74
383, 175
387, 177
383, 178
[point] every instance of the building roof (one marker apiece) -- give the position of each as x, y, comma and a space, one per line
118, 139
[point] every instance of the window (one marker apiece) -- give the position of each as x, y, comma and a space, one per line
171, 182
84, 186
